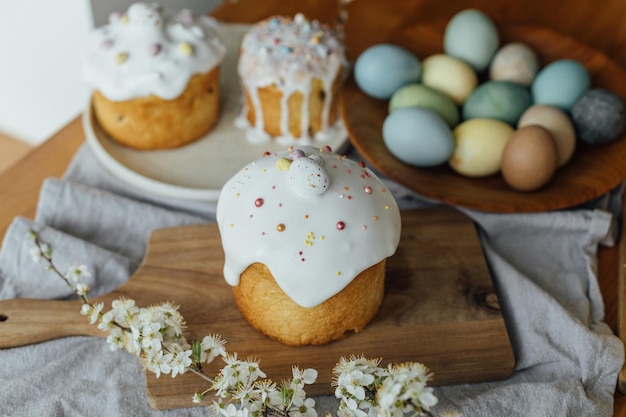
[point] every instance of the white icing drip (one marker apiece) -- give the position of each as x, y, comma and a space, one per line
290, 53
326, 239
156, 61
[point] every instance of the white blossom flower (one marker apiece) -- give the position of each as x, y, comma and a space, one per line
405, 390
93, 311
252, 371
124, 311
267, 392
82, 289
115, 338
244, 394
307, 409
350, 407
298, 396
180, 362
132, 341
231, 411
307, 376
197, 398
212, 346
172, 318
35, 254
356, 380
151, 336
76, 272
158, 362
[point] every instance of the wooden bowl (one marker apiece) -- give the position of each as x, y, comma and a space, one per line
592, 171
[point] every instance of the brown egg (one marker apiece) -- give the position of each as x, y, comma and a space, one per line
557, 123
529, 158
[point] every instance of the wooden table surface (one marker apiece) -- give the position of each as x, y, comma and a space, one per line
370, 21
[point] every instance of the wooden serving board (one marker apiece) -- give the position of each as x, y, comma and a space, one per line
440, 309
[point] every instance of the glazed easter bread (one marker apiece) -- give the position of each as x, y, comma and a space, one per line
291, 71
155, 76
306, 234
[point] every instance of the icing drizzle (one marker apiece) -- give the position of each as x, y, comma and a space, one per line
289, 53
314, 218
150, 50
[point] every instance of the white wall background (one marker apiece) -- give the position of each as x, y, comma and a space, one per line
40, 52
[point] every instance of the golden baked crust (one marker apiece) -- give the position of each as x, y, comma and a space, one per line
154, 123
270, 98
268, 309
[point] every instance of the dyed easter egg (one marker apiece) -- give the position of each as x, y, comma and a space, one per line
472, 37
479, 144
383, 68
515, 62
599, 116
418, 136
557, 123
560, 84
500, 100
529, 158
419, 95
450, 75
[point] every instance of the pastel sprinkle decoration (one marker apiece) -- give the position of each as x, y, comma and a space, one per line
341, 225
107, 44
280, 227
154, 49
121, 57
186, 48
259, 202
283, 164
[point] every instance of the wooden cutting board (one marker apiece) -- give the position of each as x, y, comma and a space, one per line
440, 309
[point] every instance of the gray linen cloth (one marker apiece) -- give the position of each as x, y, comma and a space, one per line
544, 266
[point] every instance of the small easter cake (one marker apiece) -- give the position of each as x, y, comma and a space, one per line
291, 71
306, 234
155, 76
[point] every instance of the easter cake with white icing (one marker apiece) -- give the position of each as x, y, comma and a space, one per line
306, 233
291, 71
155, 76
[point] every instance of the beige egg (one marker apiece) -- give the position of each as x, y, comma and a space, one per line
479, 144
557, 123
529, 158
449, 75
515, 62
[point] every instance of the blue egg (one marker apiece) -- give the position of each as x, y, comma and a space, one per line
560, 84
500, 100
381, 69
418, 136
471, 36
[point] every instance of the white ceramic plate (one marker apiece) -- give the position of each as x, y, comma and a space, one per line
199, 170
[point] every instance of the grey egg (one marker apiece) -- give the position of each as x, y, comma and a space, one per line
599, 116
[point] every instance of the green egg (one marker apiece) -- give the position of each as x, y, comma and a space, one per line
419, 95
500, 100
